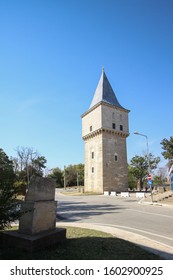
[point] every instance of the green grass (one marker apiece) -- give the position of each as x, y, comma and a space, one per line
84, 244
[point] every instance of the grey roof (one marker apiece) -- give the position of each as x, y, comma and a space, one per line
105, 93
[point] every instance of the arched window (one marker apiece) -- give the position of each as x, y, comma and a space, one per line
116, 157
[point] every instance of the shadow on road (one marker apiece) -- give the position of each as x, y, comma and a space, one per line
75, 211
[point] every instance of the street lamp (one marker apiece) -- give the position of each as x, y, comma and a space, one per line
148, 157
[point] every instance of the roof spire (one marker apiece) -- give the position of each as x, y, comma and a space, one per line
104, 92
103, 70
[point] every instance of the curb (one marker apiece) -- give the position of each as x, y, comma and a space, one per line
142, 201
148, 244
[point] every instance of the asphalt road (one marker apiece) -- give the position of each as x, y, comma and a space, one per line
151, 221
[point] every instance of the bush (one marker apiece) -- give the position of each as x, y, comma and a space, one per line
9, 205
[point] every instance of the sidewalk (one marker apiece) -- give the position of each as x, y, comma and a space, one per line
148, 244
164, 199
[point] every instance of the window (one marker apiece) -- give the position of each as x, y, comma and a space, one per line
116, 157
113, 126
92, 169
113, 116
121, 127
120, 117
91, 128
92, 154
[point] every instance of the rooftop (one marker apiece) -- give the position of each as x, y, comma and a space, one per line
104, 93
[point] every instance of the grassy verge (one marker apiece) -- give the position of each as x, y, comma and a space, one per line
78, 193
84, 244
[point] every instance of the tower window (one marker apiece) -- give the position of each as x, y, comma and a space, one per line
92, 154
91, 128
92, 169
116, 157
121, 127
113, 116
113, 126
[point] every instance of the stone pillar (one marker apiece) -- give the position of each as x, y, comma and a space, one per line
39, 207
37, 225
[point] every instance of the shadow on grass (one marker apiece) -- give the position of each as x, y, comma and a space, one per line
84, 248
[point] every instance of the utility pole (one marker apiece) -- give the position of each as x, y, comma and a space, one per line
64, 179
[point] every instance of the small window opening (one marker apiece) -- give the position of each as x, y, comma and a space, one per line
113, 126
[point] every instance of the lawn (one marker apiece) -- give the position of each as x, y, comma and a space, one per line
84, 244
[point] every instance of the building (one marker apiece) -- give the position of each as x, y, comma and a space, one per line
104, 131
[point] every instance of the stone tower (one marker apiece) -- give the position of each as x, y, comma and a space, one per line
104, 130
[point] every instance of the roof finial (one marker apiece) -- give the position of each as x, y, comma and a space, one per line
103, 69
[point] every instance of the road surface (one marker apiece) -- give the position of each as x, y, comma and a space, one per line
127, 214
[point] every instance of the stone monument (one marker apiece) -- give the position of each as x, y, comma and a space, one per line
37, 225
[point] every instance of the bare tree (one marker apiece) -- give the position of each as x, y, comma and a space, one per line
26, 157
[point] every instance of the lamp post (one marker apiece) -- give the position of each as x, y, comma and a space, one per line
148, 157
137, 133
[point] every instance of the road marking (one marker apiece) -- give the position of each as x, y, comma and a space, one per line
148, 213
138, 230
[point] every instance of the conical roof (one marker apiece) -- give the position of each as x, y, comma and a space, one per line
105, 93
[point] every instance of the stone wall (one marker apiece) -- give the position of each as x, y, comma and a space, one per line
105, 148
115, 173
91, 121
94, 164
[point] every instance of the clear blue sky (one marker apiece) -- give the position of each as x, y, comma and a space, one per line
51, 56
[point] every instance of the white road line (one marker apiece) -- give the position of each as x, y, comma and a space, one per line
148, 213
138, 230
